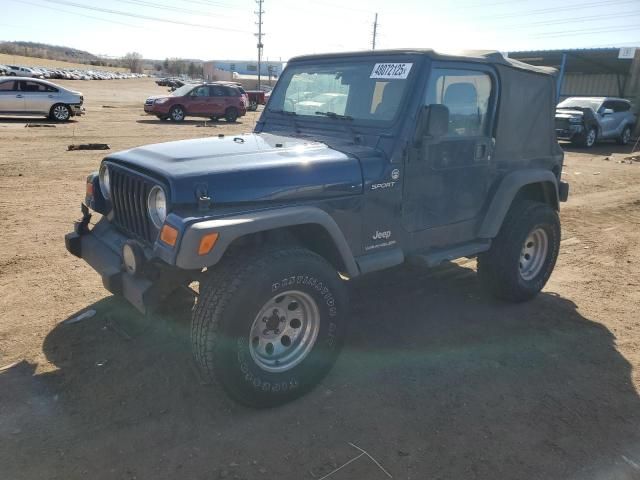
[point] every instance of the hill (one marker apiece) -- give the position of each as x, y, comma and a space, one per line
51, 52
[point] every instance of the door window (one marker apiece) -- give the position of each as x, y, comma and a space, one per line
28, 86
467, 95
218, 91
202, 91
7, 86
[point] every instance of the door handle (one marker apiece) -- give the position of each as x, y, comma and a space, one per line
50, 96
481, 151
18, 96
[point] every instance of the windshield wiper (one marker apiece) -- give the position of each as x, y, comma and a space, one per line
335, 115
284, 112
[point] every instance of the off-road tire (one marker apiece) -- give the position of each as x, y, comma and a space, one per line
231, 114
625, 136
177, 113
60, 112
230, 301
499, 269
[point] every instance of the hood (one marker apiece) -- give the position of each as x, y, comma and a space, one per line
247, 168
568, 113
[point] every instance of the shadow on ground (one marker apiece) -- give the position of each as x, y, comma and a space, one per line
34, 121
436, 381
197, 123
603, 148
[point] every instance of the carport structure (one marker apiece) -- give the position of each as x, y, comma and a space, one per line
599, 72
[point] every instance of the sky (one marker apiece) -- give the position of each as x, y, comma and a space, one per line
224, 29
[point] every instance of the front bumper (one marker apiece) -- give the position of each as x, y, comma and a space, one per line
77, 110
101, 248
569, 132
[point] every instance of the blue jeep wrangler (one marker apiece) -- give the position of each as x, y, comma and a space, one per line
360, 162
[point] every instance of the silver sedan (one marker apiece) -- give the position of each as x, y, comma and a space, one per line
29, 96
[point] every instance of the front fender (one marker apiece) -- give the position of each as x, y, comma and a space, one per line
507, 191
232, 228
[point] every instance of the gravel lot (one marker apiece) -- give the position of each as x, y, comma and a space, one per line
437, 381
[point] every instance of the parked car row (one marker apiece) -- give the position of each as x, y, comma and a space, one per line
64, 74
32, 96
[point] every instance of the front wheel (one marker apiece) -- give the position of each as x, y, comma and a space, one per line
177, 113
60, 113
523, 255
589, 138
269, 325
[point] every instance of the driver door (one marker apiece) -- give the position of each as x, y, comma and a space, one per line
447, 178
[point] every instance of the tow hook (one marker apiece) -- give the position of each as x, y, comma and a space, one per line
81, 226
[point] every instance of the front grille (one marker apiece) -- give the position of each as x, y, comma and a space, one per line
562, 123
129, 200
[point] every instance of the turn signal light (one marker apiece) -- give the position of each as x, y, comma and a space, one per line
207, 242
89, 190
169, 235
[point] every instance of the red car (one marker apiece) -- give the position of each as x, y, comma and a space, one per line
199, 100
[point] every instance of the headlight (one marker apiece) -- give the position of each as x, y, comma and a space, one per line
157, 205
105, 185
161, 100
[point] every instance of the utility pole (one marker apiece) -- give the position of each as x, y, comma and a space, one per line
259, 35
375, 32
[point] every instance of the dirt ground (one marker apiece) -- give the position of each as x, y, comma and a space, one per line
437, 381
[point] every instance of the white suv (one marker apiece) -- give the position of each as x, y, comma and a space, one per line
28, 96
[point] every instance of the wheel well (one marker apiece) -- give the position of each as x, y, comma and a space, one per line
544, 192
312, 236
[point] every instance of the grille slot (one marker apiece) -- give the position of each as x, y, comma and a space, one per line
129, 199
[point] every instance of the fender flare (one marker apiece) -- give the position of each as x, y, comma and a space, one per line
507, 191
232, 228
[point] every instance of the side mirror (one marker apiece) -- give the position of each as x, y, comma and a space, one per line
607, 111
433, 121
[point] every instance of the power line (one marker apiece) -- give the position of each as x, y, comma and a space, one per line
567, 33
558, 9
143, 17
572, 20
169, 8
78, 14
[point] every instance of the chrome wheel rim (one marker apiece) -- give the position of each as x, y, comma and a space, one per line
591, 137
178, 114
626, 136
61, 112
533, 254
284, 331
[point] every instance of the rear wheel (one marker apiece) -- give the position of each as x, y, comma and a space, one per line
177, 113
231, 115
625, 136
523, 254
60, 112
268, 325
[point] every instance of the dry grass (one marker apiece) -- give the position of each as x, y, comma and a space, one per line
43, 62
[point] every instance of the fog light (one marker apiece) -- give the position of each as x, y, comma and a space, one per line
132, 258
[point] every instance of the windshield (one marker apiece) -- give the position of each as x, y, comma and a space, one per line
365, 90
183, 90
577, 102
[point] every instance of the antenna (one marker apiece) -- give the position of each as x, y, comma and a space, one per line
375, 32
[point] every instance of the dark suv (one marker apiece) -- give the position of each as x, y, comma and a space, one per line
360, 162
199, 100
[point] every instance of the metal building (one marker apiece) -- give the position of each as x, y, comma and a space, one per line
591, 72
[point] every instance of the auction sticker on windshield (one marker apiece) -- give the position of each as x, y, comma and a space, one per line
391, 70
